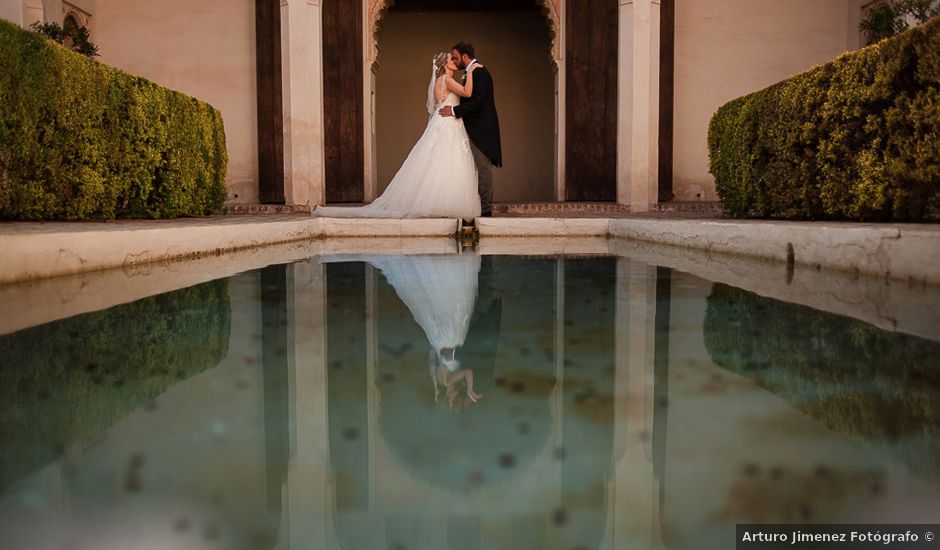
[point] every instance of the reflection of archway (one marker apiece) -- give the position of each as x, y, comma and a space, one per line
551, 186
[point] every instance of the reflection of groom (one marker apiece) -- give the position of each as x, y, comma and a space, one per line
479, 348
479, 115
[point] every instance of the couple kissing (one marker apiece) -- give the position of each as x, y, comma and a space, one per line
448, 173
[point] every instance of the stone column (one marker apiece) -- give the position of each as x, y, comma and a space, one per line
302, 62
556, 15
372, 11
638, 105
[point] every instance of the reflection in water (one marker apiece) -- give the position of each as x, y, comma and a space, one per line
440, 292
851, 376
65, 382
625, 406
274, 342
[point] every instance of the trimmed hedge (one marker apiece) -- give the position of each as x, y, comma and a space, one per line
857, 138
65, 382
81, 140
852, 377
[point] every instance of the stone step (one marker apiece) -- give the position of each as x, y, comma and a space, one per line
241, 209
543, 209
689, 206
559, 209
597, 209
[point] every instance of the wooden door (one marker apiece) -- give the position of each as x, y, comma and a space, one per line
342, 100
591, 126
667, 69
270, 102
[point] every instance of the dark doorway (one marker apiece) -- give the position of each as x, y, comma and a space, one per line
667, 69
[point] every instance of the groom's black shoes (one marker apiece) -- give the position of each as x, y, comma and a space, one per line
486, 215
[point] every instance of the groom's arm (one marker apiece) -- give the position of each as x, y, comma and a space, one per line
482, 87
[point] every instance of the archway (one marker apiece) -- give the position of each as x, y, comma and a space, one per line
515, 41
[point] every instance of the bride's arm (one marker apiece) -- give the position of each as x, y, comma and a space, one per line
463, 91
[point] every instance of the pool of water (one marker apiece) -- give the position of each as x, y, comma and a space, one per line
471, 401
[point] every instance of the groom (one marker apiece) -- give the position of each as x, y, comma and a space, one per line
479, 115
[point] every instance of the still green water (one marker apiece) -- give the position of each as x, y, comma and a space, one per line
464, 402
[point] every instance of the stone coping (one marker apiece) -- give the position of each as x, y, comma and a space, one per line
905, 252
908, 252
37, 250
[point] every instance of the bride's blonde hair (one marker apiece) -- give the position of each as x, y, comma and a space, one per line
440, 63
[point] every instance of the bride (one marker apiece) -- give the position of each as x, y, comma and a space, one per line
439, 177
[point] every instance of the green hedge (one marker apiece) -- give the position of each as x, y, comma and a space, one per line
857, 138
849, 375
81, 140
64, 383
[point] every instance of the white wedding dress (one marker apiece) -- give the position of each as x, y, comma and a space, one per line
440, 292
437, 180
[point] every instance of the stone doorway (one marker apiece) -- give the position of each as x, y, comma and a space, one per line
605, 56
514, 39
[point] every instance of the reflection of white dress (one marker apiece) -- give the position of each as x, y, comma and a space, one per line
437, 180
440, 292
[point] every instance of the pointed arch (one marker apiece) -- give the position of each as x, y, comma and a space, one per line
376, 10
552, 11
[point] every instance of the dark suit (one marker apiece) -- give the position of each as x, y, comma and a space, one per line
482, 123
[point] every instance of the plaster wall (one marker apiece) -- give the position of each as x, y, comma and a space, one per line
516, 47
12, 10
204, 49
32, 12
728, 48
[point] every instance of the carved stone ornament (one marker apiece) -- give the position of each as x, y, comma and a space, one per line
376, 9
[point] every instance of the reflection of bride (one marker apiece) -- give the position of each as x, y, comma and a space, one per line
440, 291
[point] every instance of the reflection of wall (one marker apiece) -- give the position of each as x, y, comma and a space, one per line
748, 455
201, 446
515, 46
728, 48
850, 376
205, 49
66, 382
